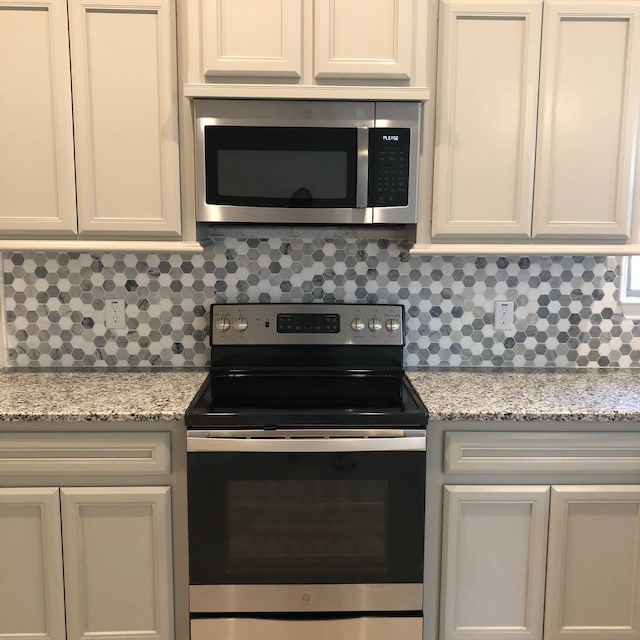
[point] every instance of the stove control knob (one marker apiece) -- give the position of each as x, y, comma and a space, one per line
241, 324
357, 325
223, 324
392, 325
374, 325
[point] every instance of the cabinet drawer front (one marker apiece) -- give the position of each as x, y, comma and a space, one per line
78, 454
495, 452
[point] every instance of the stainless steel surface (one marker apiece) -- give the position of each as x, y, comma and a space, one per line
358, 628
199, 440
241, 598
362, 174
260, 322
279, 113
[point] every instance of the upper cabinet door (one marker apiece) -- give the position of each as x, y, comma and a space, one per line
366, 39
37, 180
486, 117
252, 38
126, 116
589, 118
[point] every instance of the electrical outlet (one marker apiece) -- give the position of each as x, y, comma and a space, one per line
503, 317
115, 314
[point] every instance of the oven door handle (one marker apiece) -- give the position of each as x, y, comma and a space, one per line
206, 441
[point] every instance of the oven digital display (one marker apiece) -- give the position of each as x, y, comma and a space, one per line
308, 323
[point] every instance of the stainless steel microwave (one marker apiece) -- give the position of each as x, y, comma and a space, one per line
307, 162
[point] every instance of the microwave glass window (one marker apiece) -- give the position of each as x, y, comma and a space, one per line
281, 166
309, 526
298, 176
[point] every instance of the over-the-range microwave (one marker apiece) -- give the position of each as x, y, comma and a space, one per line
307, 162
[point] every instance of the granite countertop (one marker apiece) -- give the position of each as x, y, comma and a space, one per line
588, 395
97, 395
164, 394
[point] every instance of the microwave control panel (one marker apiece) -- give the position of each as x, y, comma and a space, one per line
389, 167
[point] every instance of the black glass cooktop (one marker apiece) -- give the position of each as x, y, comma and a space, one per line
306, 399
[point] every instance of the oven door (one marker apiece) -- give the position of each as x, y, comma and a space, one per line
303, 524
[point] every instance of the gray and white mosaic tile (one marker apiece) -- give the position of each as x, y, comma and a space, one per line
567, 312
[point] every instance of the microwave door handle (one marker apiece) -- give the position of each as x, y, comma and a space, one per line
362, 169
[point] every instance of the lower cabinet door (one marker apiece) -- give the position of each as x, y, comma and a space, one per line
31, 584
493, 564
593, 576
117, 562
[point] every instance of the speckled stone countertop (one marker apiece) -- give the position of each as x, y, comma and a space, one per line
164, 394
80, 395
588, 395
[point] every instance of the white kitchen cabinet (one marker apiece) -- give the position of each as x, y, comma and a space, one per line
31, 582
261, 38
589, 113
117, 562
305, 48
494, 547
593, 582
37, 180
497, 130
540, 532
495, 569
364, 39
123, 64
86, 561
122, 141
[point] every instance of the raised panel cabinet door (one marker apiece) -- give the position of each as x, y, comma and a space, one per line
37, 179
118, 562
593, 577
365, 39
485, 136
588, 119
261, 38
123, 61
31, 583
493, 562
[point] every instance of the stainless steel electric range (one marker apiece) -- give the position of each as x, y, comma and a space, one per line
306, 476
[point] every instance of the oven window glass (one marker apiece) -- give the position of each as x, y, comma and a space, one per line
310, 525
306, 517
281, 166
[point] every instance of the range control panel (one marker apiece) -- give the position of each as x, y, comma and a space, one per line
335, 324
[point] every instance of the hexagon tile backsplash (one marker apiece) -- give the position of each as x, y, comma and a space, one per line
566, 309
